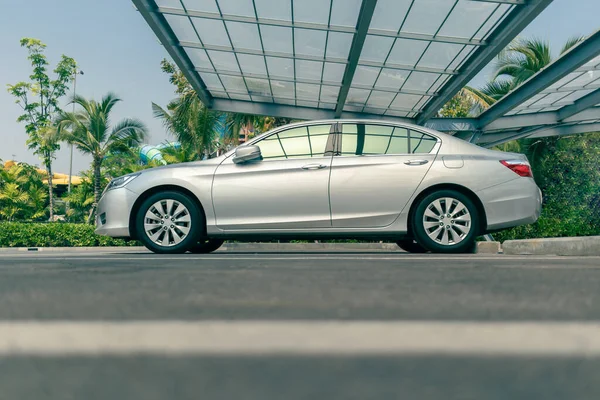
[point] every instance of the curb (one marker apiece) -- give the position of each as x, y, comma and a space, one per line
575, 246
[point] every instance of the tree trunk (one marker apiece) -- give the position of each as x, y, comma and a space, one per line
50, 189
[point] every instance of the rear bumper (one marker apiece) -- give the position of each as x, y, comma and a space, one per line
114, 208
514, 203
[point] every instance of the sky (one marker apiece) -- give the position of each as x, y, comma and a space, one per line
119, 53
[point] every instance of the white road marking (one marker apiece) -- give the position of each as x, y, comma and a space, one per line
299, 338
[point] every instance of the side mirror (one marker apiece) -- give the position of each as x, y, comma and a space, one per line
246, 154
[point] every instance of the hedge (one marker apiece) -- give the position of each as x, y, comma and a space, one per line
15, 234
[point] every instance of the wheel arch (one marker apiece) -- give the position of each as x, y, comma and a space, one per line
157, 189
450, 186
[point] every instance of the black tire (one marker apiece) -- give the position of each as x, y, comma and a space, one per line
411, 246
467, 242
206, 246
195, 227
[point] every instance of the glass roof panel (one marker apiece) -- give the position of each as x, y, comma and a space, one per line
549, 99
182, 28
462, 56
407, 52
281, 67
223, 61
338, 45
327, 106
251, 64
244, 36
329, 93
440, 55
307, 91
466, 18
391, 79
261, 99
242, 8
211, 31
345, 12
199, 58
562, 82
309, 42
333, 72
238, 96
169, 4
496, 17
365, 76
376, 48
426, 16
279, 10
395, 113
277, 39
405, 101
234, 83
309, 70
312, 11
389, 14
211, 81
576, 95
440, 82
283, 89
595, 62
290, 102
259, 87
585, 79
420, 81
380, 99
357, 96
201, 5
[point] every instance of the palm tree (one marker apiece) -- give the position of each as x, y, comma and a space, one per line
192, 124
13, 200
90, 131
522, 59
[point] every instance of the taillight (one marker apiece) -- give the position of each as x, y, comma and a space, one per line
519, 167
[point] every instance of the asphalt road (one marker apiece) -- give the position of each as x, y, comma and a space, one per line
298, 326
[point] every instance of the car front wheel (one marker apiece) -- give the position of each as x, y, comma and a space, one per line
169, 223
446, 221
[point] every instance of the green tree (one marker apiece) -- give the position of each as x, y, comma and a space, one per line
522, 59
39, 98
81, 198
90, 131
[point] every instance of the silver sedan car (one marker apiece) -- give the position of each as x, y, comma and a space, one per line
337, 179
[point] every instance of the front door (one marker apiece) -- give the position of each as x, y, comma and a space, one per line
376, 170
288, 189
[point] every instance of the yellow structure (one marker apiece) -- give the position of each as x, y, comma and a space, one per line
57, 179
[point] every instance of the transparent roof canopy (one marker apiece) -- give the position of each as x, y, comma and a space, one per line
384, 57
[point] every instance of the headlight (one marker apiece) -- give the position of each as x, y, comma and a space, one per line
121, 181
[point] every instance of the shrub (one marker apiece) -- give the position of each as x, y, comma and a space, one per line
14, 234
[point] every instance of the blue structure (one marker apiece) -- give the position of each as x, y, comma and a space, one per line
149, 153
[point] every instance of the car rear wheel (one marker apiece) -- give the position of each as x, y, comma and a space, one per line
206, 246
411, 246
446, 221
169, 223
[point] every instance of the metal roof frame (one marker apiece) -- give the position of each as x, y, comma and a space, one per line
491, 126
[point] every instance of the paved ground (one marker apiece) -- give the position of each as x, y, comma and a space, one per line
298, 326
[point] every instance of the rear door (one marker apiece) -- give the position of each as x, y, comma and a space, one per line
375, 171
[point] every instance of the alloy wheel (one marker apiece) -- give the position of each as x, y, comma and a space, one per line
447, 221
167, 222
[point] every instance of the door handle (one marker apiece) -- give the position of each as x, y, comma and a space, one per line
314, 166
416, 162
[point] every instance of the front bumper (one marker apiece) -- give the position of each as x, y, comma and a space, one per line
514, 203
114, 209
